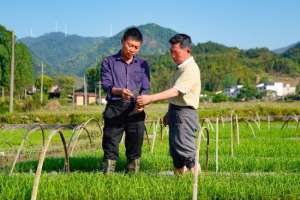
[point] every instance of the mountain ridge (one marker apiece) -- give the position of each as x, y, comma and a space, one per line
72, 54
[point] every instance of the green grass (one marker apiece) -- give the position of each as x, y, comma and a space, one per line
263, 167
151, 186
79, 114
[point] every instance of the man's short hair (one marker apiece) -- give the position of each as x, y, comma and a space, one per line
184, 40
133, 33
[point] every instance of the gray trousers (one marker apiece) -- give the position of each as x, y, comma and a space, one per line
183, 123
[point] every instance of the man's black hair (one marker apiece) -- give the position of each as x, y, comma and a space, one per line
133, 33
184, 40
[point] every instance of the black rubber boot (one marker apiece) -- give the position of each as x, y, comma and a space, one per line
133, 166
108, 166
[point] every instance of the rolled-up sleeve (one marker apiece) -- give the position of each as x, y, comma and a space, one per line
106, 77
145, 88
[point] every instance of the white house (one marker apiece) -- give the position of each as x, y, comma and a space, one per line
233, 91
278, 89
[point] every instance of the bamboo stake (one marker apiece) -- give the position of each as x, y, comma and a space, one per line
197, 171
231, 135
237, 129
25, 138
251, 128
74, 138
154, 136
222, 120
256, 123
41, 161
210, 124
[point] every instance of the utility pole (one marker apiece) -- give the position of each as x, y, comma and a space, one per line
42, 83
85, 91
12, 71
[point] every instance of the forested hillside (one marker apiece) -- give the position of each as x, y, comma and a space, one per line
23, 63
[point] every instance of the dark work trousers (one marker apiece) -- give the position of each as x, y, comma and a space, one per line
183, 123
119, 117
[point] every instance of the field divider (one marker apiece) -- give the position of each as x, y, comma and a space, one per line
197, 170
25, 138
42, 158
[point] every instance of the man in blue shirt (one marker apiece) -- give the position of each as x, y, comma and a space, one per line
124, 76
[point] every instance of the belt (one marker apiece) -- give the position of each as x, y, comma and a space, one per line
181, 107
120, 103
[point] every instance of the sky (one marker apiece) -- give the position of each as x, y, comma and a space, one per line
240, 23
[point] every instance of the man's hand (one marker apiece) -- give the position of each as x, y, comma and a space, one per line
139, 108
124, 92
143, 100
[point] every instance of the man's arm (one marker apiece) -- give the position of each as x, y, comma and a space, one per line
167, 94
145, 87
106, 77
107, 83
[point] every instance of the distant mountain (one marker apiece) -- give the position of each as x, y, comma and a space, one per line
155, 42
72, 54
56, 48
211, 48
284, 49
293, 53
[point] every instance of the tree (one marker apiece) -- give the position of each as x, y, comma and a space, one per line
23, 63
66, 84
247, 92
92, 78
47, 83
229, 80
5, 52
23, 73
217, 98
285, 65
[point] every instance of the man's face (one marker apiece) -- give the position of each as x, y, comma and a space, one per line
179, 54
130, 48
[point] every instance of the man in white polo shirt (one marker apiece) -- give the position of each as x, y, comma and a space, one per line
183, 95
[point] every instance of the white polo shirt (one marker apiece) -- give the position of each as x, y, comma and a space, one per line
187, 81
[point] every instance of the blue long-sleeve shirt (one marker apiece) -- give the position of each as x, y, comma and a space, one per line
117, 73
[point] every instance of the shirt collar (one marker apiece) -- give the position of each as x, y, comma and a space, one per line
189, 59
118, 57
